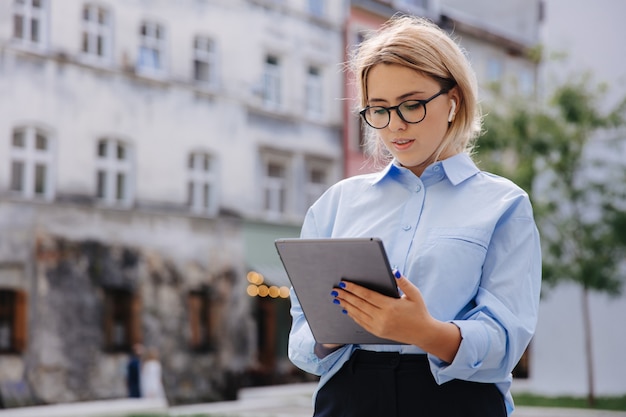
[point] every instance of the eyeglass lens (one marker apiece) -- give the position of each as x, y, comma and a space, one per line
411, 111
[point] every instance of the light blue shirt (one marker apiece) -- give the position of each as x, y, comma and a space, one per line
466, 238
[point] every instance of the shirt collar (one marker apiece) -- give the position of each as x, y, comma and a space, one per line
457, 169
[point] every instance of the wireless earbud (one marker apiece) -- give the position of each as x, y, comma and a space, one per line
452, 110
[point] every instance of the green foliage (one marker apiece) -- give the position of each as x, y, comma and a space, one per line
601, 403
547, 149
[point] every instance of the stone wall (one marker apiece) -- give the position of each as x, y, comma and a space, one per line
65, 266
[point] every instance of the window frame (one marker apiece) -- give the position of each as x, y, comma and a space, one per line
29, 14
152, 42
203, 313
31, 158
495, 70
202, 192
526, 82
121, 308
276, 192
313, 190
93, 30
412, 5
316, 8
522, 368
314, 92
108, 170
13, 319
272, 82
206, 54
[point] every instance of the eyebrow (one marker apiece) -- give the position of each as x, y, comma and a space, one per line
399, 98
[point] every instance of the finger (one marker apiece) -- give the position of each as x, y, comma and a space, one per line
407, 287
359, 309
361, 313
351, 302
370, 296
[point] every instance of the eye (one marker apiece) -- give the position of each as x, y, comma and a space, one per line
378, 111
411, 105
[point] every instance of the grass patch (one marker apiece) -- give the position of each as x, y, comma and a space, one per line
601, 403
147, 415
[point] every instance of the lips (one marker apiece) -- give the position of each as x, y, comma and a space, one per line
402, 144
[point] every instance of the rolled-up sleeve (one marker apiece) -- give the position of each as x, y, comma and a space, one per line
302, 344
301, 341
497, 330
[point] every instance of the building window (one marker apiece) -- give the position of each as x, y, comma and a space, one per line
495, 70
421, 4
521, 369
31, 163
362, 136
275, 187
114, 172
204, 61
271, 82
122, 328
316, 7
317, 177
12, 321
314, 92
151, 48
30, 21
526, 83
201, 186
203, 321
97, 33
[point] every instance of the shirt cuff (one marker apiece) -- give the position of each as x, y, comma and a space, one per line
469, 358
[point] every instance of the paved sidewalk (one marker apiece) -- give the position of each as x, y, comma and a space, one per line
111, 408
275, 401
295, 401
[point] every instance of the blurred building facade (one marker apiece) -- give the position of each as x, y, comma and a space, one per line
151, 152
497, 36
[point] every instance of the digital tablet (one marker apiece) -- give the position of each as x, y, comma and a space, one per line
316, 266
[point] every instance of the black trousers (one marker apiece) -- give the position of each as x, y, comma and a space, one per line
388, 384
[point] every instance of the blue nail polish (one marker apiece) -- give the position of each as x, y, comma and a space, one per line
334, 293
397, 274
342, 285
335, 301
344, 311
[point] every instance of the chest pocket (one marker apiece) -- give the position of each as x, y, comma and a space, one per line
450, 262
458, 235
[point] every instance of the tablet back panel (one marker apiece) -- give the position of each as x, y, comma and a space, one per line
316, 266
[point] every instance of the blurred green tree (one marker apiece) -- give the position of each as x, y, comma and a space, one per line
568, 154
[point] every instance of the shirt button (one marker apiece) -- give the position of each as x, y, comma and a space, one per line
437, 168
406, 227
418, 188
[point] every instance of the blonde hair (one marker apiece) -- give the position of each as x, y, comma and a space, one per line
421, 45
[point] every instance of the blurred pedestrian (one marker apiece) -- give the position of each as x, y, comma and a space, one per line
133, 371
151, 375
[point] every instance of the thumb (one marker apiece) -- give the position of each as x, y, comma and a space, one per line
406, 286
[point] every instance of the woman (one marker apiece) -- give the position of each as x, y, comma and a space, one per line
151, 375
464, 243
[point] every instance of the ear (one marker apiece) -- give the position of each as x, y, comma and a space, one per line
455, 102
452, 110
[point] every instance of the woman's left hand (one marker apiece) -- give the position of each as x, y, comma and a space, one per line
405, 319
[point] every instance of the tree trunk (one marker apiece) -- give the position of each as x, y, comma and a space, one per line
591, 398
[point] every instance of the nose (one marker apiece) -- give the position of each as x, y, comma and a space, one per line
395, 121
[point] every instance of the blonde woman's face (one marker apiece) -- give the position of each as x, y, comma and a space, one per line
413, 145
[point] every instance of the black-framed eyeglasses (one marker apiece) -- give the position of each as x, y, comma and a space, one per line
410, 111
